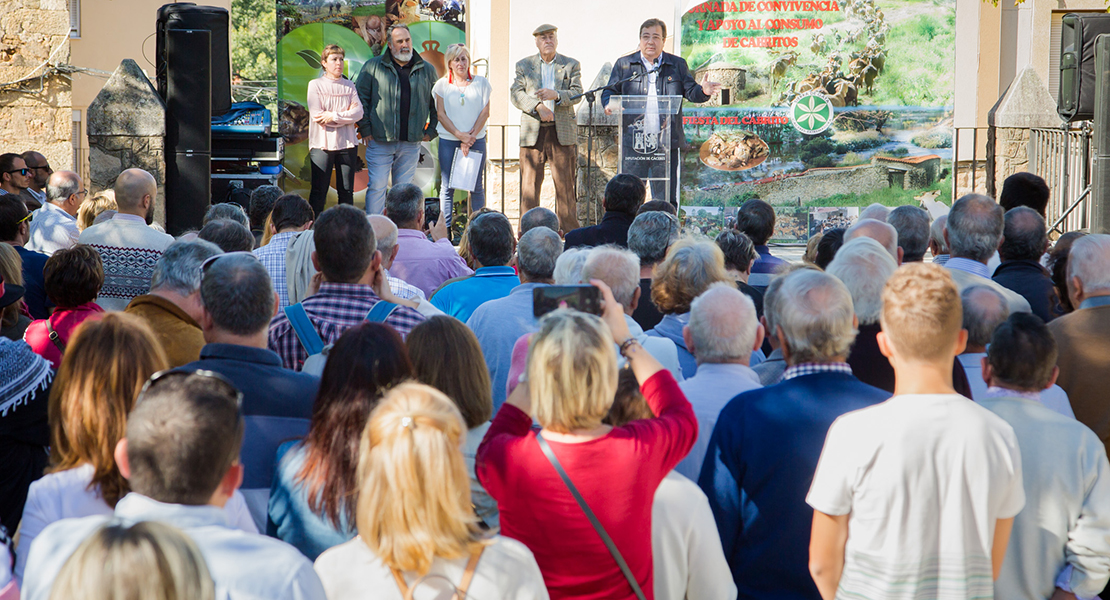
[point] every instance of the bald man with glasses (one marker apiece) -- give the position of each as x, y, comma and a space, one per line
35, 193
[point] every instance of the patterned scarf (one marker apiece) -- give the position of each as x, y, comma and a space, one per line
22, 374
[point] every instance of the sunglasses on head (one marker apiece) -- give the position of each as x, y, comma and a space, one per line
212, 259
169, 374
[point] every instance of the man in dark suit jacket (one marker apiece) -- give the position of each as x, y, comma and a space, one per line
624, 194
673, 78
1024, 241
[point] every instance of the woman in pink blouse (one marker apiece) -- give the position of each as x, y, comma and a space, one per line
334, 108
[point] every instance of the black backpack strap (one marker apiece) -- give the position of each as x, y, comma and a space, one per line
592, 517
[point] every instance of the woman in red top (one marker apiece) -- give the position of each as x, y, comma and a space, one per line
571, 380
73, 278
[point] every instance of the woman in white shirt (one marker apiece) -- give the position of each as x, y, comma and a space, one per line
462, 104
416, 529
333, 110
103, 370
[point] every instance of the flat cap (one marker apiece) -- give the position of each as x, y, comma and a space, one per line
544, 29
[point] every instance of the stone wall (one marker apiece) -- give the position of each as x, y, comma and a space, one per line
36, 114
126, 127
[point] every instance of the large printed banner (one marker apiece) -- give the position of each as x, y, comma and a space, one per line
359, 26
825, 103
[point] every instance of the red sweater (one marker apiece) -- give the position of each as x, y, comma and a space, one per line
65, 322
617, 475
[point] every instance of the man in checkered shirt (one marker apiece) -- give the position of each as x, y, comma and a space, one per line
290, 216
346, 255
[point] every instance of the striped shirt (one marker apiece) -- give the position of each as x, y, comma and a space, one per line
334, 309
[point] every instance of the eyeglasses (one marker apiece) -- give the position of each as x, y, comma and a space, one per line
47, 167
211, 259
24, 171
162, 376
648, 37
25, 219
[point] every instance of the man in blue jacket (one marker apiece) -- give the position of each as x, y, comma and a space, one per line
765, 446
660, 74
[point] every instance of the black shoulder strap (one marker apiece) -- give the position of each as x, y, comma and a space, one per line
592, 517
54, 337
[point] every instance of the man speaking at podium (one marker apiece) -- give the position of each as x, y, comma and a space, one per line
659, 74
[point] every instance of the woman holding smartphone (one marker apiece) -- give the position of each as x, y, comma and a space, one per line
334, 108
462, 103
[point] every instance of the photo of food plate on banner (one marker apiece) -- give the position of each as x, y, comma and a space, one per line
359, 27
825, 103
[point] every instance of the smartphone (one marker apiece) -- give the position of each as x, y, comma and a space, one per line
584, 297
431, 211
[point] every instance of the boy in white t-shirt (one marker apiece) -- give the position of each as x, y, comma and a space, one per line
915, 497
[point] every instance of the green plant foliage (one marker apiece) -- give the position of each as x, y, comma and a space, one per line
253, 40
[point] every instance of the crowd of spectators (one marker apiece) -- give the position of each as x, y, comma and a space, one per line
287, 404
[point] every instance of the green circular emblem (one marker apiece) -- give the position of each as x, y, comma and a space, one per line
811, 113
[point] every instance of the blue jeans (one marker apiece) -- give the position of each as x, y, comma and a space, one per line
446, 159
383, 159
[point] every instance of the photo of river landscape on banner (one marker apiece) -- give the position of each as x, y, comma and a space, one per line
822, 97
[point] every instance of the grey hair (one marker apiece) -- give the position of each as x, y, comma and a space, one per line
723, 324
537, 252
178, 269
984, 310
875, 211
650, 235
385, 233
403, 203
539, 217
227, 210
936, 233
912, 224
238, 295
618, 267
568, 267
1090, 262
815, 316
975, 226
864, 266
62, 185
880, 231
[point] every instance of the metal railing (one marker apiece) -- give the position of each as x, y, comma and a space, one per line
502, 162
1063, 157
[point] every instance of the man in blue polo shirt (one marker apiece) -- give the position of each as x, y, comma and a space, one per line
491, 246
766, 443
239, 302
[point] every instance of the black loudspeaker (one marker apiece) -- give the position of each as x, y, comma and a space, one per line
188, 80
186, 15
1076, 99
188, 189
1100, 174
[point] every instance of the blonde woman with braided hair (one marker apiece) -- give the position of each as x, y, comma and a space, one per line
418, 536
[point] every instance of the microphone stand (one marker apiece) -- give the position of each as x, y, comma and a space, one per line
590, 97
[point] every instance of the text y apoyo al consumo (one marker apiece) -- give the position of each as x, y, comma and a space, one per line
762, 24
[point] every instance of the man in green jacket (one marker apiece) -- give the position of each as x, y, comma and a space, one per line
398, 113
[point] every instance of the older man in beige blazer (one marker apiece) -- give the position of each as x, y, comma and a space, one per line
542, 90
